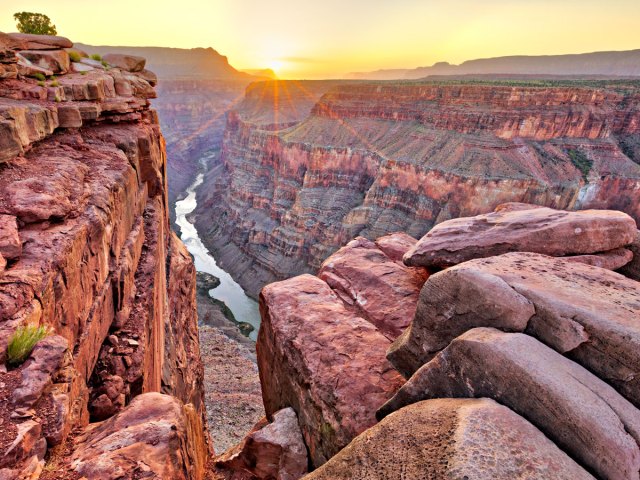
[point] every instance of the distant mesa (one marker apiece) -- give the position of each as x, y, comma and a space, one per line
624, 63
178, 63
262, 72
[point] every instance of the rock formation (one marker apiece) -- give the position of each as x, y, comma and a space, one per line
452, 438
552, 340
84, 231
369, 159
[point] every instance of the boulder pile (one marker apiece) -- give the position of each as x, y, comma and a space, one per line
533, 308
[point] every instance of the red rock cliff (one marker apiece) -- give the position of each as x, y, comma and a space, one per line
87, 251
374, 158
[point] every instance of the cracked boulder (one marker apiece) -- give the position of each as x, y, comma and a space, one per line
452, 438
517, 227
154, 437
587, 313
583, 415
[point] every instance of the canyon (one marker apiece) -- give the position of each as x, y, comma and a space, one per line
307, 166
458, 291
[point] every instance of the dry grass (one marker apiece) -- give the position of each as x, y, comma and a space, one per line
22, 342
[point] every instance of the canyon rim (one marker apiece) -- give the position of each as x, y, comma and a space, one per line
289, 271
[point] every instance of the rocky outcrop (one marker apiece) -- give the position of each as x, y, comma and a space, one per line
156, 436
574, 408
522, 228
321, 345
84, 226
451, 438
370, 159
270, 451
632, 268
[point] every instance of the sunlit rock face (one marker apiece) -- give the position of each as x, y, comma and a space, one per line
307, 166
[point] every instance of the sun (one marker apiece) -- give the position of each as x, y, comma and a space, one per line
275, 65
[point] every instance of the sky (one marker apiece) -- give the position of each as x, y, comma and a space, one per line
330, 38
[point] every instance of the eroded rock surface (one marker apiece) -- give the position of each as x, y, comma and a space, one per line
451, 438
582, 414
381, 290
273, 450
587, 313
632, 269
152, 438
84, 228
322, 360
520, 229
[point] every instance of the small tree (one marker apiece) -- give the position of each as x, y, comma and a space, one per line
35, 23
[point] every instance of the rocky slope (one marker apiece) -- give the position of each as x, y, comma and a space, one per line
87, 252
300, 176
518, 365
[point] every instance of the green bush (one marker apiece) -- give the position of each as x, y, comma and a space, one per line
96, 57
22, 342
581, 162
40, 77
75, 56
54, 82
41, 83
35, 23
105, 64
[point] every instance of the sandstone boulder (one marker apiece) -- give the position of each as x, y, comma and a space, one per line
395, 245
587, 313
41, 42
57, 61
10, 244
583, 415
632, 269
29, 69
69, 116
451, 438
274, 450
151, 438
130, 63
149, 76
521, 228
27, 443
37, 372
381, 290
611, 260
322, 360
3, 264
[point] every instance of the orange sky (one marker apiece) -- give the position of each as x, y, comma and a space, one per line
329, 38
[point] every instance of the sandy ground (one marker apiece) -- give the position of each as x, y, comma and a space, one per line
232, 387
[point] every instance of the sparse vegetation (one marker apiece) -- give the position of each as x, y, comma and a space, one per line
104, 64
83, 73
54, 83
22, 342
39, 76
581, 162
41, 83
34, 23
58, 99
75, 56
96, 57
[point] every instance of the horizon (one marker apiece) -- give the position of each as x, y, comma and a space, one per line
335, 39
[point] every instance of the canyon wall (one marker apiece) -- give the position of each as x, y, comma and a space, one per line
302, 175
87, 252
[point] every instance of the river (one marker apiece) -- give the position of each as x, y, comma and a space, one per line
244, 308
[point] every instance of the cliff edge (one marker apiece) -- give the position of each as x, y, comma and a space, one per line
114, 390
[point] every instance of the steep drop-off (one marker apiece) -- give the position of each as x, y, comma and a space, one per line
299, 176
86, 251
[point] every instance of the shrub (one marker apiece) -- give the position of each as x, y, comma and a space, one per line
83, 73
35, 23
75, 56
22, 342
96, 57
581, 162
58, 99
40, 77
41, 83
104, 64
54, 83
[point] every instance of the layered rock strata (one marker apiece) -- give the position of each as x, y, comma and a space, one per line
85, 230
370, 159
